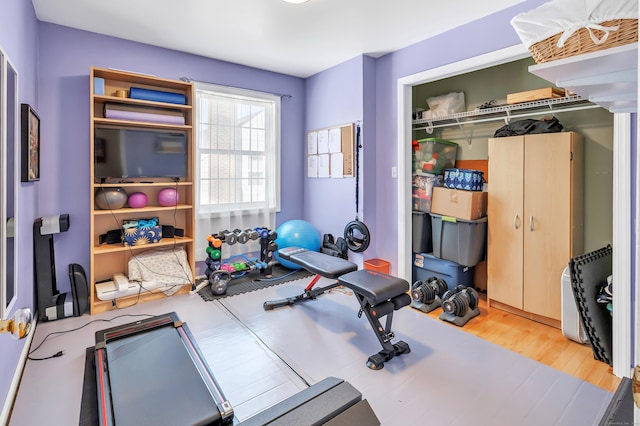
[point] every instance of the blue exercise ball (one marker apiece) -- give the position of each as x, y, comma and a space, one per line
297, 233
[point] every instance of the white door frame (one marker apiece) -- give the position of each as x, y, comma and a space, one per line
621, 239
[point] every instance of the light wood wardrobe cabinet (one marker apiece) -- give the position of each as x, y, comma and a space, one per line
535, 212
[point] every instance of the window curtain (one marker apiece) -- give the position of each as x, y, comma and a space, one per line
236, 166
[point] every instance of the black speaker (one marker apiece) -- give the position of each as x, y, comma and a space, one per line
169, 231
79, 289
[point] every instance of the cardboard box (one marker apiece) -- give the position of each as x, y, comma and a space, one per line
535, 95
458, 203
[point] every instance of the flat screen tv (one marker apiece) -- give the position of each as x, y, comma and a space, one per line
128, 153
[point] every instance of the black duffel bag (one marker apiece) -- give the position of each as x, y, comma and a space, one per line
529, 126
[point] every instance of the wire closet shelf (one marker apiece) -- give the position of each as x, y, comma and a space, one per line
506, 112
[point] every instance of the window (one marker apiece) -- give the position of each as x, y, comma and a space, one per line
237, 135
237, 173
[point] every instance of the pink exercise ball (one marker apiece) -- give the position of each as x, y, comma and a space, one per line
138, 200
168, 197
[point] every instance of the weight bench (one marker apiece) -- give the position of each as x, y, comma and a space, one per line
378, 294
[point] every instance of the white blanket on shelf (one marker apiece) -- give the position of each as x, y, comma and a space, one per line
568, 16
168, 268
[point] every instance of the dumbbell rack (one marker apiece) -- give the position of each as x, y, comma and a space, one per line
218, 271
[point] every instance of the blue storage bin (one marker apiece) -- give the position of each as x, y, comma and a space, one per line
426, 265
469, 180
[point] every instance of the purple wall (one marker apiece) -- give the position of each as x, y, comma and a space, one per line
373, 200
53, 64
67, 55
341, 95
495, 33
18, 30
334, 97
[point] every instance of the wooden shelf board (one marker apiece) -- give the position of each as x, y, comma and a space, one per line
165, 242
142, 210
127, 123
127, 301
138, 184
139, 78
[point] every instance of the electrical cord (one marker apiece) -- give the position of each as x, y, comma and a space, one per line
54, 333
277, 278
182, 265
56, 355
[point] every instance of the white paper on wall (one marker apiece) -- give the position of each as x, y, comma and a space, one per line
323, 165
337, 165
335, 140
312, 143
312, 166
323, 142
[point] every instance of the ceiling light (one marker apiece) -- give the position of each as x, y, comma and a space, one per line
296, 1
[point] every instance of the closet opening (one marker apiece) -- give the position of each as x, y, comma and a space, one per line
491, 77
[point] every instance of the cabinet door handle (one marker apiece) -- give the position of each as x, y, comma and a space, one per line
515, 221
530, 223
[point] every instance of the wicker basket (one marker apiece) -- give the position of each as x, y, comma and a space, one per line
580, 42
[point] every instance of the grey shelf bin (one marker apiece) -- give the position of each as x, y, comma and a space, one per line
460, 241
421, 232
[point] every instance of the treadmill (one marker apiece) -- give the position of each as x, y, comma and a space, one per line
152, 372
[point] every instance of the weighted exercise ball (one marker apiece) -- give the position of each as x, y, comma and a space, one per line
138, 200
112, 198
297, 233
168, 197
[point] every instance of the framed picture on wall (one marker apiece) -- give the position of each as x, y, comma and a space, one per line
30, 137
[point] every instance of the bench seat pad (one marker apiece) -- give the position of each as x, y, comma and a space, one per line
318, 263
376, 287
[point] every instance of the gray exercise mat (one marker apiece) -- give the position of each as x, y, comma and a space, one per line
588, 271
450, 377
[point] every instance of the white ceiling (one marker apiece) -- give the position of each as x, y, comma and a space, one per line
294, 39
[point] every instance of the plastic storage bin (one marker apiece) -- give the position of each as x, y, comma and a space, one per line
457, 240
422, 190
378, 265
435, 155
427, 265
421, 226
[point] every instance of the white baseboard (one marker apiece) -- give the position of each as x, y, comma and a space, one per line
17, 375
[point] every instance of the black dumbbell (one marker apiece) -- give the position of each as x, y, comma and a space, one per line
427, 291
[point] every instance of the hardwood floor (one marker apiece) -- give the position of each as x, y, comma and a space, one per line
540, 342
